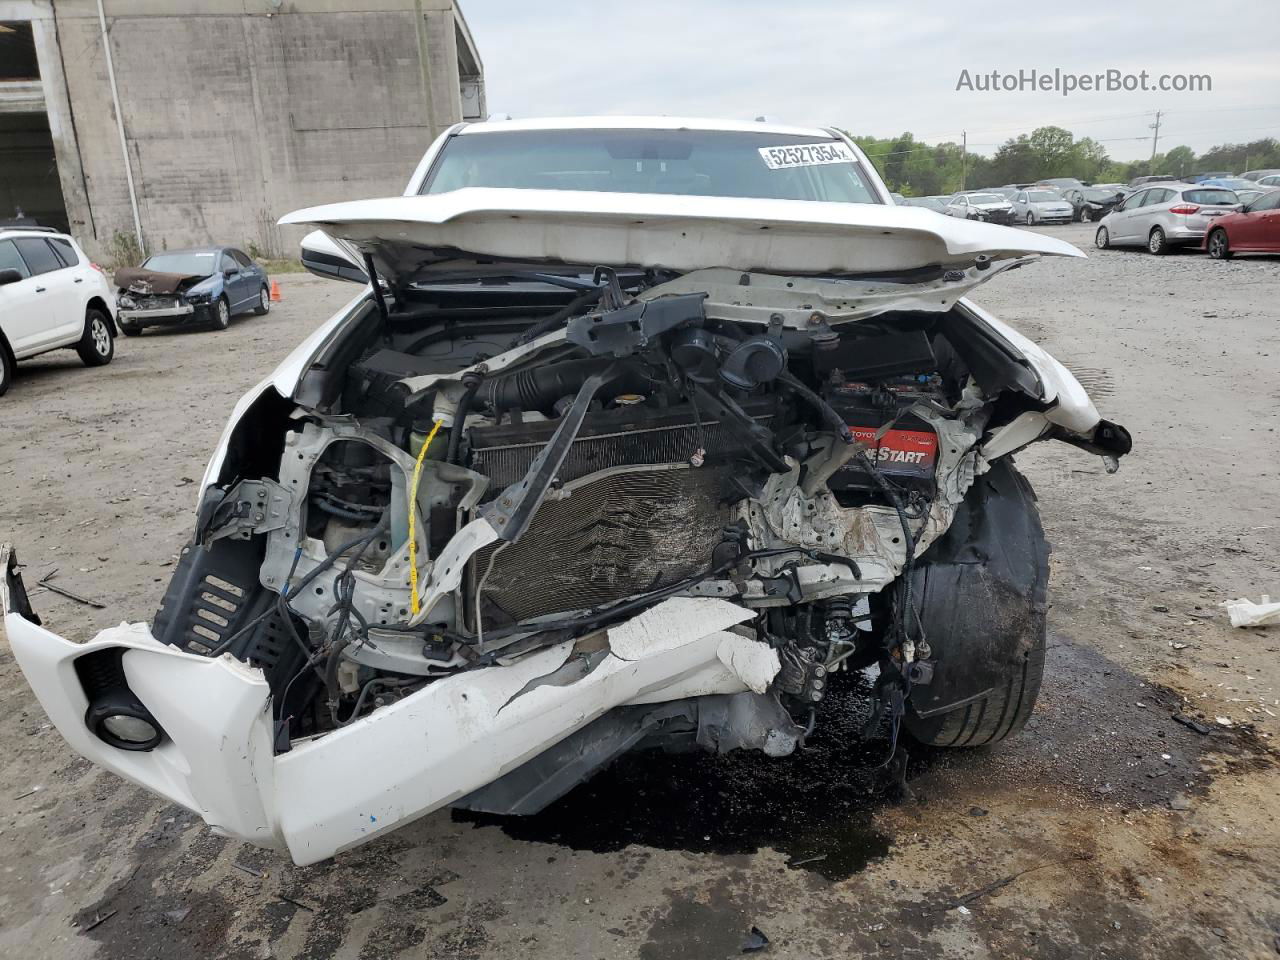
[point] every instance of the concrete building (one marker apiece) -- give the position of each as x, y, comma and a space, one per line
168, 123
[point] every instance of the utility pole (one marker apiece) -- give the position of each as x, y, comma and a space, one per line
424, 64
964, 154
1155, 138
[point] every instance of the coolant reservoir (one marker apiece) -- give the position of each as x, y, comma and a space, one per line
439, 444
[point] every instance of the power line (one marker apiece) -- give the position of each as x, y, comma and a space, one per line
1082, 120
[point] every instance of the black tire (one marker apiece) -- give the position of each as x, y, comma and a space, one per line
221, 318
1102, 239
6, 367
1157, 242
1219, 247
1086, 215
97, 344
264, 302
982, 593
129, 329
1030, 219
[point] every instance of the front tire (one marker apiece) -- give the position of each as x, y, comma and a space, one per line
1157, 243
1102, 239
1086, 215
981, 591
221, 314
1030, 219
97, 345
6, 369
264, 303
1219, 247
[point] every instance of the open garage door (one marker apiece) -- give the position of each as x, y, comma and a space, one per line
30, 191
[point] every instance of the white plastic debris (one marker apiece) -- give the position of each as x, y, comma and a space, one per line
754, 662
1246, 613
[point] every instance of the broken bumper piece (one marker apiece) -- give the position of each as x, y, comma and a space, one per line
405, 760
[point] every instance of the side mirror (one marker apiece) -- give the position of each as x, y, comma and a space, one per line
228, 271
324, 257
10, 275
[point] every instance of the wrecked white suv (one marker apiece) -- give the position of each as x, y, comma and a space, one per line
647, 433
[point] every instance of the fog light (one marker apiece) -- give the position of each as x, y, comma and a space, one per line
133, 730
115, 715
120, 720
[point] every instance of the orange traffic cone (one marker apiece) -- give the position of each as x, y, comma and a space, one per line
275, 292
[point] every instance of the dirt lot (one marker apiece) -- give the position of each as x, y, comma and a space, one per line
1106, 829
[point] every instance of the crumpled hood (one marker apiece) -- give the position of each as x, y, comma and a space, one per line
407, 236
142, 280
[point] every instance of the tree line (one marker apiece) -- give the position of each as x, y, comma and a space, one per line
918, 169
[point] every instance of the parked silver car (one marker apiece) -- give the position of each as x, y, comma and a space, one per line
988, 207
1165, 215
936, 204
1041, 205
1257, 175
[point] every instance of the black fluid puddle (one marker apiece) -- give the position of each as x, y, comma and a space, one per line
815, 806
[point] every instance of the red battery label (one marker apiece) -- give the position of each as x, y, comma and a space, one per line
912, 452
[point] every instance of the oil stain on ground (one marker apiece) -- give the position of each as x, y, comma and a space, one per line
816, 806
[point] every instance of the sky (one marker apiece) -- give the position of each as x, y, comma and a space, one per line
882, 68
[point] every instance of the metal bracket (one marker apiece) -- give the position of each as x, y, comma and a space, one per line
251, 506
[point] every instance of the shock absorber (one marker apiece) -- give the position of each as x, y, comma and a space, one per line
839, 630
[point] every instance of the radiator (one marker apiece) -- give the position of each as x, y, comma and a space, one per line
613, 535
610, 439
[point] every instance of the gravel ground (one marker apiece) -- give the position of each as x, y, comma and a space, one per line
1104, 830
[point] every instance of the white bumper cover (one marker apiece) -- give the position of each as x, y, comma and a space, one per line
389, 767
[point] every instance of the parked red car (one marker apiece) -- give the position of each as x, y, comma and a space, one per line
1256, 229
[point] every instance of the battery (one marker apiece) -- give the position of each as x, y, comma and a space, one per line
906, 452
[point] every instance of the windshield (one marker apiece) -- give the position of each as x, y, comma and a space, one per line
1096, 194
1040, 196
985, 198
192, 264
703, 163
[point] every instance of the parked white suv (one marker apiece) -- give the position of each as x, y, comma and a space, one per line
51, 296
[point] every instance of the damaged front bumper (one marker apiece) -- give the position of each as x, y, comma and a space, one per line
330, 793
158, 314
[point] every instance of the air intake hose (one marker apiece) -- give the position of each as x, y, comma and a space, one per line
538, 388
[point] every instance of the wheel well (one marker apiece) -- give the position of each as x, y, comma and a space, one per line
100, 304
1221, 230
1154, 229
6, 349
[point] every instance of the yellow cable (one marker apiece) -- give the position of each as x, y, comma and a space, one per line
414, 604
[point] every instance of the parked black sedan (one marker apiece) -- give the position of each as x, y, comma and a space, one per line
1093, 203
203, 286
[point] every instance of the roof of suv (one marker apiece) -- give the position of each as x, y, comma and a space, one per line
33, 231
640, 123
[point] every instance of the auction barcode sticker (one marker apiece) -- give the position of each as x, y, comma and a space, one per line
805, 155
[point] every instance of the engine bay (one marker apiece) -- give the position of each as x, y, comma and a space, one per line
476, 470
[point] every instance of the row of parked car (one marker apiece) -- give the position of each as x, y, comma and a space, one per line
53, 297
1029, 203
1224, 214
